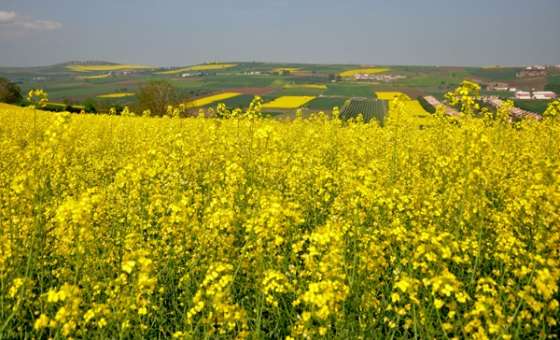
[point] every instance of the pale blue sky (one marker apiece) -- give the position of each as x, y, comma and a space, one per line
173, 32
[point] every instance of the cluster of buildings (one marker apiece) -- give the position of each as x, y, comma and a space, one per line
192, 74
378, 77
532, 72
519, 94
500, 87
120, 73
535, 95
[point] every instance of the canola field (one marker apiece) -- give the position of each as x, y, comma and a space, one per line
109, 67
368, 70
116, 95
212, 99
135, 227
203, 67
286, 69
97, 76
287, 102
389, 95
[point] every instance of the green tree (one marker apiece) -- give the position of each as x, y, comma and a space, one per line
156, 96
90, 106
9, 92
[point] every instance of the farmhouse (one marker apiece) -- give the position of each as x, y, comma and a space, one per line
191, 74
532, 72
497, 87
522, 95
544, 95
378, 77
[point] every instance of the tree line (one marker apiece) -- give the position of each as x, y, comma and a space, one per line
153, 97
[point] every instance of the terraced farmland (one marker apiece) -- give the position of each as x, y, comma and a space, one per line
369, 108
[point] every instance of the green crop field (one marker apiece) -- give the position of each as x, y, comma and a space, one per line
242, 101
368, 108
325, 103
537, 106
349, 90
494, 74
300, 91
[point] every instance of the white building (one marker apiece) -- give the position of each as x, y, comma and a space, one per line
536, 68
522, 95
544, 95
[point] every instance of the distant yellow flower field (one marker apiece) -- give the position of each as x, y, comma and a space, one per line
286, 69
388, 95
97, 76
211, 99
288, 102
306, 86
203, 67
64, 105
116, 95
369, 70
117, 67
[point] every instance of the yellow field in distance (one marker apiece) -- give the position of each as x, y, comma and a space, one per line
286, 69
306, 86
204, 67
388, 95
287, 102
212, 99
369, 70
118, 67
97, 76
116, 95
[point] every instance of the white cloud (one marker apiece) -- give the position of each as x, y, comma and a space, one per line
7, 17
13, 20
42, 25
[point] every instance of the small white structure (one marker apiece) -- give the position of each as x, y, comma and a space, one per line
544, 95
512, 89
522, 95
